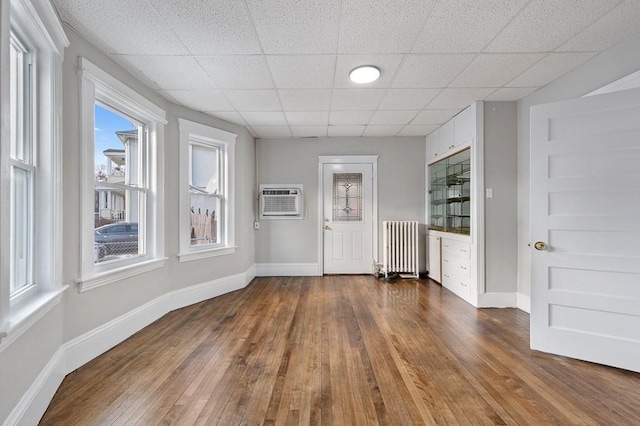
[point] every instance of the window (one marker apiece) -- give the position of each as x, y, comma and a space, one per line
23, 170
30, 199
207, 157
122, 214
120, 187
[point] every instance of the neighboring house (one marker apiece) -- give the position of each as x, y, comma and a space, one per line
110, 202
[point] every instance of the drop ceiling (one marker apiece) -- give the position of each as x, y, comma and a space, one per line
280, 67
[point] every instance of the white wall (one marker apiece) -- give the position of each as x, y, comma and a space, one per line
500, 174
33, 365
400, 188
611, 65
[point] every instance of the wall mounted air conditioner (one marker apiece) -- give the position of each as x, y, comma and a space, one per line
281, 201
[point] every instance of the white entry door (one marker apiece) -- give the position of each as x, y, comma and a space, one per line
585, 229
348, 218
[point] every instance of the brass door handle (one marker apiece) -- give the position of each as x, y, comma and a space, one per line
327, 228
540, 245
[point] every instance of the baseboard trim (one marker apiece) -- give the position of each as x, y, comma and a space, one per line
77, 352
35, 401
497, 300
524, 302
288, 270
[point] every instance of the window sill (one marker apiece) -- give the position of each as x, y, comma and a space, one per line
105, 278
204, 254
23, 316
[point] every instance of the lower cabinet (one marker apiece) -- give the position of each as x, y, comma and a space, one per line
434, 259
455, 264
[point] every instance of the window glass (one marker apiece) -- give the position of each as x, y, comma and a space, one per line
347, 197
119, 184
204, 194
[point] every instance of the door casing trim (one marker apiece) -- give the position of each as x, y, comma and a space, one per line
347, 159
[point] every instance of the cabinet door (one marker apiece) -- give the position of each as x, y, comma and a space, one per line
463, 128
432, 145
445, 137
434, 259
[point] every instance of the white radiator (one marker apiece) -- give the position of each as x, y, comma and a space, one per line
400, 245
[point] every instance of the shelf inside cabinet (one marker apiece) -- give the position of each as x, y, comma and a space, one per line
449, 193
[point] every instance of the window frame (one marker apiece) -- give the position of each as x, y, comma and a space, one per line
98, 86
200, 134
36, 27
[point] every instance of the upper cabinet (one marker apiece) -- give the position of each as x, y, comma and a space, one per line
455, 133
463, 128
432, 145
445, 138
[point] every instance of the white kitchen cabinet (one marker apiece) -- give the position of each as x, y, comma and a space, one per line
445, 137
434, 260
455, 204
463, 128
432, 145
476, 226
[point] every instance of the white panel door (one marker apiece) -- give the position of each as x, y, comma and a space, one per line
348, 218
585, 229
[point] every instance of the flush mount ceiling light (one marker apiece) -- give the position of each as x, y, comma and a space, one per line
364, 74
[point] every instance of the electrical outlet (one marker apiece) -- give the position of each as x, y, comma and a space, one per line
256, 225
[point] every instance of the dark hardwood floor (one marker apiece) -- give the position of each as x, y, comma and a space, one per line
341, 350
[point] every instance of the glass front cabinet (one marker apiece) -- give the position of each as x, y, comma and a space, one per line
450, 193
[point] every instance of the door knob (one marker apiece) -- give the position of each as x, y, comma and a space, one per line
540, 245
327, 227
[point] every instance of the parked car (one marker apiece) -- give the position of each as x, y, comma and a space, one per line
116, 239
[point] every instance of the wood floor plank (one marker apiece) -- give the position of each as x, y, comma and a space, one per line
340, 350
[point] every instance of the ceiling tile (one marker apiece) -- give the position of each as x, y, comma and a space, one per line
294, 26
230, 116
167, 72
459, 98
510, 93
272, 132
495, 70
544, 25
388, 64
385, 118
265, 118
201, 100
423, 71
378, 131
237, 71
350, 118
381, 26
415, 130
397, 99
335, 131
305, 100
309, 131
465, 25
548, 69
253, 100
307, 118
134, 29
356, 99
619, 24
434, 116
209, 27
302, 71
